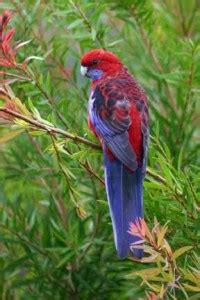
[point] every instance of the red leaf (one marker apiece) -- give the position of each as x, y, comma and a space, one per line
5, 63
8, 81
11, 106
137, 228
9, 52
5, 18
8, 36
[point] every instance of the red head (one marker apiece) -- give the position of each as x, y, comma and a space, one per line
98, 63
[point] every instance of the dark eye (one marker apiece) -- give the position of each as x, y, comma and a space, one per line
94, 62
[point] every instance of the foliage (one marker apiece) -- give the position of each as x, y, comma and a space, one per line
56, 238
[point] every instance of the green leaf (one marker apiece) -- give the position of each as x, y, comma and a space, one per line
193, 288
33, 57
74, 24
37, 133
146, 272
181, 251
161, 235
103, 202
65, 260
115, 43
93, 34
10, 135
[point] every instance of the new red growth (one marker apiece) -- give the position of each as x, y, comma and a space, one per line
7, 54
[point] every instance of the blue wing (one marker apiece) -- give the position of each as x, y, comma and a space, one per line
111, 120
111, 125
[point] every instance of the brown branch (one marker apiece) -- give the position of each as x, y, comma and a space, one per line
54, 131
4, 73
76, 138
91, 171
32, 140
50, 129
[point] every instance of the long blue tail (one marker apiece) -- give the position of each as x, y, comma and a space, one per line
124, 191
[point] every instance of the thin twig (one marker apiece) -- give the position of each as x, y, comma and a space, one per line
76, 138
48, 97
3, 73
50, 129
53, 130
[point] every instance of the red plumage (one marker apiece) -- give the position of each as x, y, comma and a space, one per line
118, 116
135, 134
118, 81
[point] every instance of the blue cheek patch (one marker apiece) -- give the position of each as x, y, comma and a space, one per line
95, 74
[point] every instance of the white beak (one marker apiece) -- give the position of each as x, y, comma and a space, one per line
83, 70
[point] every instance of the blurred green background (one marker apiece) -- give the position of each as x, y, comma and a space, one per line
56, 237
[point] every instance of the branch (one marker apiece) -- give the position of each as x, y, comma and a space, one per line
21, 78
76, 138
54, 131
50, 129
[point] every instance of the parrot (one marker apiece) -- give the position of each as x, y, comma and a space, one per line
118, 116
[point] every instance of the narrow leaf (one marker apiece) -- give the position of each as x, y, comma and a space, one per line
75, 24
147, 272
10, 135
161, 235
181, 251
191, 287
22, 44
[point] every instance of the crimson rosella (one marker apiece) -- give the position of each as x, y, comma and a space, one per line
118, 116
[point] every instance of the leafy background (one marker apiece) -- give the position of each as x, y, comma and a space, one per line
56, 237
